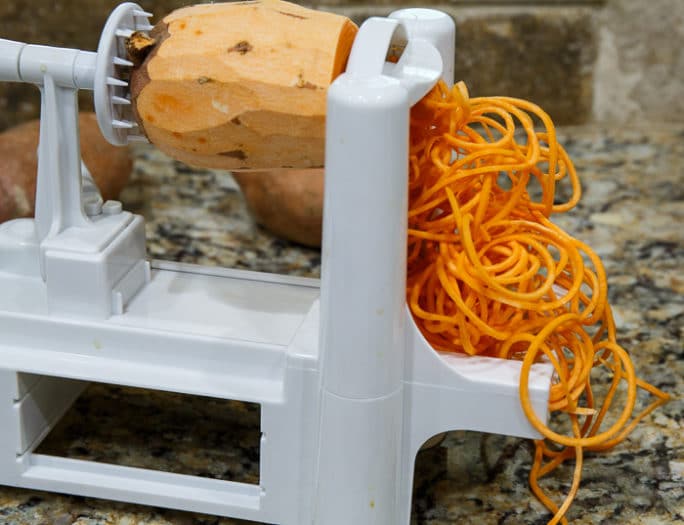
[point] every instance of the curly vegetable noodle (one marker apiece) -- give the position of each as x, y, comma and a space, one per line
490, 274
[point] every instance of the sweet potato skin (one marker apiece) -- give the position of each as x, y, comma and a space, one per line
110, 166
288, 203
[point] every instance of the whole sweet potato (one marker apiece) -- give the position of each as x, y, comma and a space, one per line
289, 203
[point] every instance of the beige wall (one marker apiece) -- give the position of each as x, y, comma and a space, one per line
639, 74
582, 60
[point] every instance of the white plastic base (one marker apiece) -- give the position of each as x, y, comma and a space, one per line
174, 336
90, 271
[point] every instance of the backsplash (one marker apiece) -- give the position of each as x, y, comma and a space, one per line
608, 61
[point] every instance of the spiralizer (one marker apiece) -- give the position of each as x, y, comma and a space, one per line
348, 387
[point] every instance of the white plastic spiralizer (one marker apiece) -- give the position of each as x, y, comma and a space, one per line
349, 389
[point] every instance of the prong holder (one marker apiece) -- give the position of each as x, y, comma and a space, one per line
348, 387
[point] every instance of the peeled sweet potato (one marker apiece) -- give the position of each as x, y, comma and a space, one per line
110, 166
239, 85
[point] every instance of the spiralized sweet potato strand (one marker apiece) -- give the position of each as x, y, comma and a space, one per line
490, 274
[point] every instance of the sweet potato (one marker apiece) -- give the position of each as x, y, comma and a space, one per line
240, 85
109, 165
289, 203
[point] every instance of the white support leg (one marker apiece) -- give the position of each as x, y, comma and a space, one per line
362, 337
58, 192
362, 301
9, 428
30, 406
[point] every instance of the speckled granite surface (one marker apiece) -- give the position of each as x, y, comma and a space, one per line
632, 213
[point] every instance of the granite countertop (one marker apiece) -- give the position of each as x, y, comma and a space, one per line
632, 213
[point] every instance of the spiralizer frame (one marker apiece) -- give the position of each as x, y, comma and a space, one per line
348, 387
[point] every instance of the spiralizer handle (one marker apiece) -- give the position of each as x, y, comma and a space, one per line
10, 51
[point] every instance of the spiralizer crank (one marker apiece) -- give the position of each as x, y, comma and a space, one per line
349, 390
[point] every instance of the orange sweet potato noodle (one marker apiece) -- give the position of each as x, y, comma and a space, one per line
490, 274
